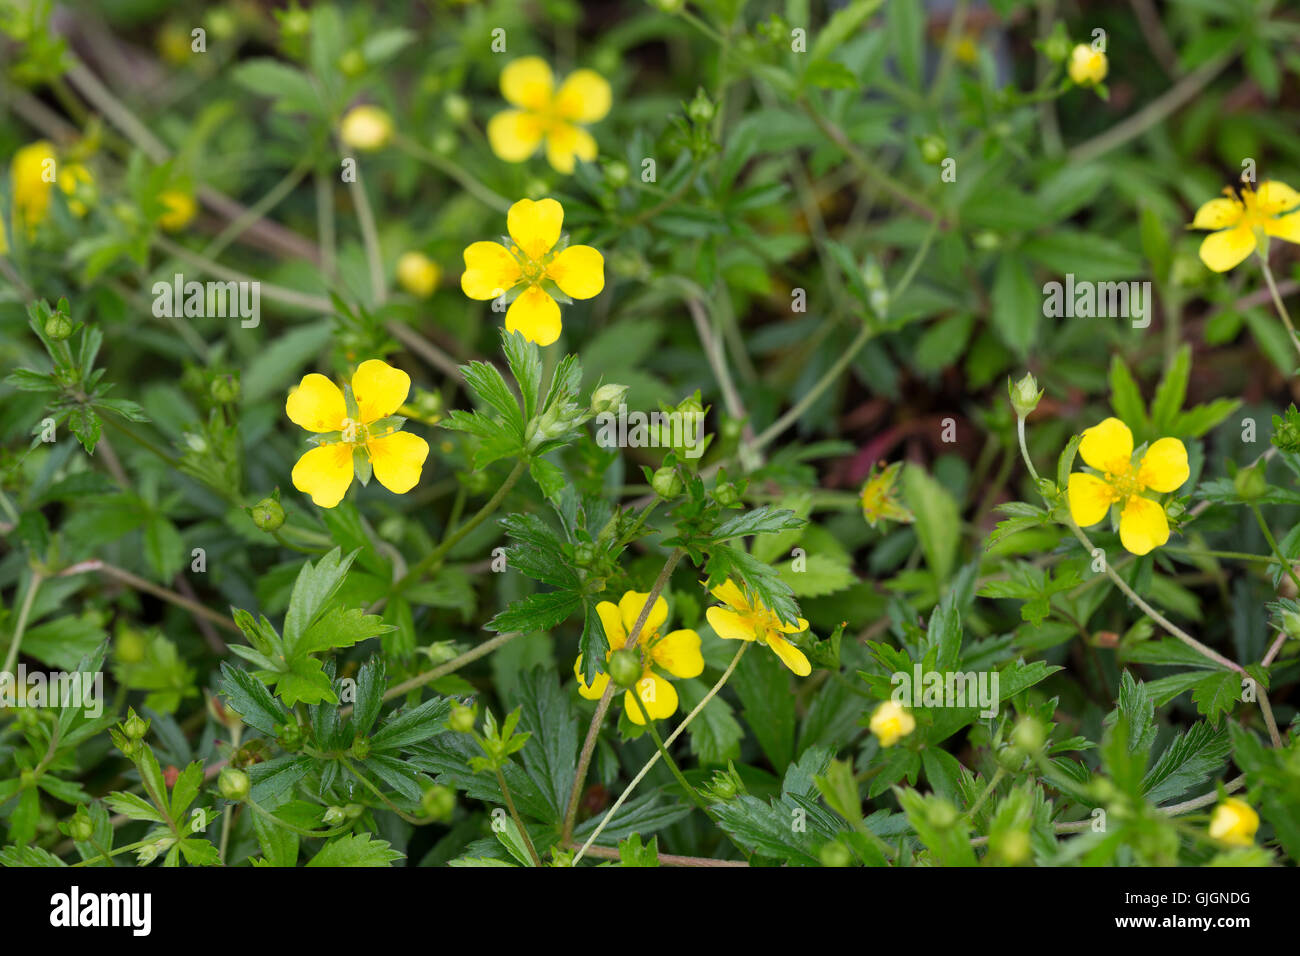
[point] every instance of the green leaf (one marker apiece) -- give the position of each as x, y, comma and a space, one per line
1216, 694
1125, 397
632, 852
491, 389
551, 754
339, 628
936, 516
1190, 760
536, 612
355, 849
315, 585
291, 88
1017, 302
1168, 403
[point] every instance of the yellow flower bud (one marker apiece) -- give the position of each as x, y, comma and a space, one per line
890, 723
1087, 66
181, 208
366, 127
1234, 821
418, 274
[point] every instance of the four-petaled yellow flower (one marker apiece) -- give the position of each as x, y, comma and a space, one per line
545, 113
677, 652
35, 168
534, 258
891, 723
1234, 821
1108, 447
1087, 66
356, 431
1241, 223
747, 619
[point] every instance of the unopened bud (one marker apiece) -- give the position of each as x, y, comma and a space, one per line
1025, 395
233, 784
268, 514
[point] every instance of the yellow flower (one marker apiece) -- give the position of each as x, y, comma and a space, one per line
33, 170
677, 652
534, 256
746, 619
418, 274
891, 723
1087, 66
355, 432
1108, 447
1239, 223
181, 208
366, 127
1234, 821
544, 113
879, 496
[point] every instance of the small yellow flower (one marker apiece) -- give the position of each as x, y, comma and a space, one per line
677, 652
35, 168
1234, 821
880, 496
891, 723
1239, 224
534, 256
418, 274
355, 430
181, 209
366, 127
1087, 66
1108, 447
746, 619
547, 114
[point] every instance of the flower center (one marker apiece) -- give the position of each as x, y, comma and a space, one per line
1125, 482
353, 432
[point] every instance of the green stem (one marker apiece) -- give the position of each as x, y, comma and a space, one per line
370, 238
455, 664
314, 834
655, 756
1277, 300
488, 197
794, 414
993, 782
33, 585
602, 707
434, 558
514, 815
663, 753
1272, 543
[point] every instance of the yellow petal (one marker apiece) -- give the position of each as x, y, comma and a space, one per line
325, 473
1234, 821
1274, 198
613, 622
316, 404
598, 684
1142, 525
790, 655
1284, 227
584, 97
730, 594
1090, 498
490, 270
566, 143
658, 696
535, 226
1218, 214
1225, 249
32, 173
1164, 466
1107, 446
797, 628
579, 271
630, 606
398, 460
528, 82
379, 389
514, 135
678, 652
535, 315
729, 625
